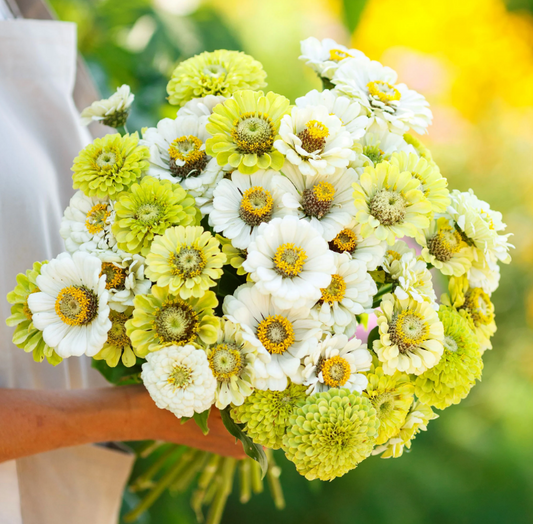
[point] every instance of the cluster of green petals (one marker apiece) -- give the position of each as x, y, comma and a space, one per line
110, 165
460, 366
26, 335
266, 414
331, 433
148, 209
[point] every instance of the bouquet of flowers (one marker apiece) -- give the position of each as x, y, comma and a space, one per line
278, 261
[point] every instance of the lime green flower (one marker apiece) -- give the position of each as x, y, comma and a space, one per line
460, 366
149, 209
266, 414
244, 130
118, 344
110, 165
391, 396
161, 319
26, 335
331, 433
234, 256
219, 73
420, 148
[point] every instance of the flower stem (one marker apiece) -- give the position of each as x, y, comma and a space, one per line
219, 503
382, 291
196, 463
145, 480
273, 473
245, 480
204, 482
257, 483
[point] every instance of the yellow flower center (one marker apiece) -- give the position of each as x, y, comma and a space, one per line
389, 207
314, 136
446, 243
383, 91
335, 291
276, 334
335, 372
188, 262
117, 335
225, 361
175, 322
336, 55
76, 305
289, 260
487, 218
345, 241
317, 201
254, 133
393, 255
186, 156
180, 377
115, 276
408, 330
107, 159
478, 304
26, 308
256, 206
96, 218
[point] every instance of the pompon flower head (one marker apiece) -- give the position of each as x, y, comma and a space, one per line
26, 335
290, 261
315, 141
201, 107
410, 336
325, 56
219, 73
86, 224
391, 396
368, 250
324, 201
243, 202
112, 111
110, 165
387, 102
147, 210
390, 204
265, 414
186, 259
432, 184
479, 310
244, 130
117, 347
337, 362
330, 434
71, 307
231, 360
453, 377
417, 420
349, 294
234, 256
162, 319
445, 249
282, 337
179, 379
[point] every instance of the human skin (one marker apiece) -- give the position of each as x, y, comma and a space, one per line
35, 421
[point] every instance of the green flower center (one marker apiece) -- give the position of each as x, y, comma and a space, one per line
450, 344
389, 207
180, 377
214, 70
188, 262
313, 137
408, 330
383, 404
176, 322
374, 154
225, 361
186, 156
76, 305
445, 244
115, 276
253, 133
256, 206
106, 159
117, 336
317, 201
148, 213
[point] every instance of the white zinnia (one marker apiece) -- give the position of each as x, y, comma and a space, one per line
112, 111
282, 337
315, 141
71, 307
200, 107
483, 273
179, 379
291, 261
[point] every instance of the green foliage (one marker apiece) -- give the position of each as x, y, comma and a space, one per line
120, 375
352, 12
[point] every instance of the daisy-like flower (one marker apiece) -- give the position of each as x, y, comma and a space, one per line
109, 165
26, 335
392, 261
325, 56
391, 396
179, 379
479, 310
324, 201
231, 360
186, 259
200, 107
290, 261
220, 73
86, 224
368, 250
282, 337
432, 183
71, 307
410, 336
117, 347
336, 363
480, 225
390, 204
445, 249
244, 130
112, 111
349, 294
234, 256
387, 102
244, 202
147, 210
161, 319
315, 141
484, 273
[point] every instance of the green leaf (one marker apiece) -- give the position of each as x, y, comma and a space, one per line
120, 375
373, 335
201, 420
352, 13
253, 450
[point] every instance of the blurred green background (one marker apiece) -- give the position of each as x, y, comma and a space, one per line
473, 60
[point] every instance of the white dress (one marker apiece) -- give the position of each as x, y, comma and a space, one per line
39, 138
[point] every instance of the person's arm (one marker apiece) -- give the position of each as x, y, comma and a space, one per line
35, 421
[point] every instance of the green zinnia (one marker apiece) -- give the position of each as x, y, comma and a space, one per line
26, 335
149, 209
219, 73
118, 345
331, 433
110, 165
460, 366
266, 414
